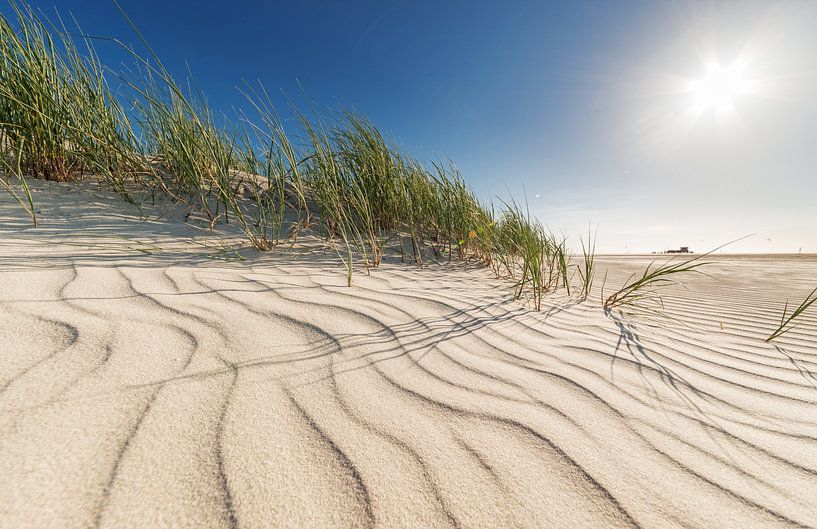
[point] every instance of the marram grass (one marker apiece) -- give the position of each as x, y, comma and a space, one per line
787, 322
335, 175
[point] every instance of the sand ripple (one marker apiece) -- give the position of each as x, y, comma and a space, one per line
171, 391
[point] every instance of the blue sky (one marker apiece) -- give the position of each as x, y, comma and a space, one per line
590, 107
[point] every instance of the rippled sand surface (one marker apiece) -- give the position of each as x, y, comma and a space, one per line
147, 381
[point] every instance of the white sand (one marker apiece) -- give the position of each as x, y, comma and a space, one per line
171, 389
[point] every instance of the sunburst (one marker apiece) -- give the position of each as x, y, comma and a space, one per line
719, 88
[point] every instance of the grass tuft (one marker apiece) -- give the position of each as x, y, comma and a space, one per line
786, 319
587, 268
640, 292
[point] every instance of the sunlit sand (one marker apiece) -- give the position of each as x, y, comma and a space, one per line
152, 379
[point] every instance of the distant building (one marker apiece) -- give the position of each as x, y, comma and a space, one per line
683, 249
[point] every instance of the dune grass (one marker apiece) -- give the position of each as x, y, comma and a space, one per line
640, 293
333, 174
587, 268
518, 247
787, 320
277, 161
23, 196
59, 118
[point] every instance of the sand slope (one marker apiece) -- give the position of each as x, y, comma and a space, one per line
147, 383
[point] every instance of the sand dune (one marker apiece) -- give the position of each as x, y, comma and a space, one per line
150, 381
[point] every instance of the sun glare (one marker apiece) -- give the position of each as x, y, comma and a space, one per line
718, 89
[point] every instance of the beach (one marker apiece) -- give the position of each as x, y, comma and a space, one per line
153, 378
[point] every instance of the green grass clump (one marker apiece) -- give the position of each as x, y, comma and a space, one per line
519, 248
272, 176
194, 157
786, 319
58, 116
371, 195
524, 238
587, 268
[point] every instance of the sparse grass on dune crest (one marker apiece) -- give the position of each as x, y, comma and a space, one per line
195, 157
269, 154
519, 248
342, 179
370, 195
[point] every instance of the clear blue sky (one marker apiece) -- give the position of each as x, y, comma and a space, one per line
591, 107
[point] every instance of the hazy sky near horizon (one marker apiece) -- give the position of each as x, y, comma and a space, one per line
664, 123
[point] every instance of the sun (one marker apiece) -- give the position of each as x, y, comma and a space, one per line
718, 89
